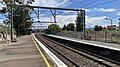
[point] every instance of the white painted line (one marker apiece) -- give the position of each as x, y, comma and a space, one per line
71, 39
50, 54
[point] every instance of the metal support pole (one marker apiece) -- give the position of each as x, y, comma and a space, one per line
119, 30
38, 15
11, 31
84, 22
111, 30
6, 35
54, 15
119, 23
18, 29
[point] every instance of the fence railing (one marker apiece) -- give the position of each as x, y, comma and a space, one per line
104, 36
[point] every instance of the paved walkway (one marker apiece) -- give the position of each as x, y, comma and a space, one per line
21, 54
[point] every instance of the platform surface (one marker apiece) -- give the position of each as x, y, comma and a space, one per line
94, 43
21, 54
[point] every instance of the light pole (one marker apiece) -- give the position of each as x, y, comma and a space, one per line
110, 27
119, 23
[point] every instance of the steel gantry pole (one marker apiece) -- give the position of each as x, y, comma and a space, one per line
111, 29
84, 23
11, 30
54, 15
54, 12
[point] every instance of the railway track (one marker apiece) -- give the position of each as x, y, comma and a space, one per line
78, 58
70, 62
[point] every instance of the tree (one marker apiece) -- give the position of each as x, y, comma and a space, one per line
54, 28
3, 11
70, 27
21, 22
21, 18
79, 22
64, 27
98, 28
18, 1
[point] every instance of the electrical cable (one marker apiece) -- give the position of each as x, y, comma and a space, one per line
89, 3
64, 3
103, 3
105, 13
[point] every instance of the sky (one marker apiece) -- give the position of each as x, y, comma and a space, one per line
96, 11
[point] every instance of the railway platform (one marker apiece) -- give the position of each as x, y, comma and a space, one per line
23, 54
112, 46
108, 52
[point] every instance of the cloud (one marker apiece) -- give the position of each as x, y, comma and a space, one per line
50, 3
101, 9
106, 10
61, 19
1, 21
66, 19
118, 14
1, 5
92, 21
69, 12
95, 20
78, 0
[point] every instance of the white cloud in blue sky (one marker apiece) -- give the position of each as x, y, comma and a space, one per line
95, 20
118, 13
101, 10
65, 19
50, 3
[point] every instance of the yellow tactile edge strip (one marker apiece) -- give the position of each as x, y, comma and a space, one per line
46, 61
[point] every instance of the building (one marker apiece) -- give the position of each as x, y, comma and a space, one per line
111, 27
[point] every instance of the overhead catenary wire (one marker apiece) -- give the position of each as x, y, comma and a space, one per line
103, 3
65, 3
105, 13
97, 5
89, 3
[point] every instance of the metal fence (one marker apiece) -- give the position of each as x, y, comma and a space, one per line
104, 36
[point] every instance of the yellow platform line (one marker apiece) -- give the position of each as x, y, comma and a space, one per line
46, 61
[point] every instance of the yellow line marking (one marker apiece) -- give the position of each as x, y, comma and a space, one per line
46, 61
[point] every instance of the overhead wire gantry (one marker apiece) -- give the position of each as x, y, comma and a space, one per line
53, 11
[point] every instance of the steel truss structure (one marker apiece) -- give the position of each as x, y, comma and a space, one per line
53, 11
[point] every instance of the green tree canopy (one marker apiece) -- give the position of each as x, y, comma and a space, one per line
79, 22
70, 27
21, 20
64, 27
98, 28
21, 17
3, 11
54, 28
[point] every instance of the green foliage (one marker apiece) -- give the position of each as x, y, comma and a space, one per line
21, 23
98, 28
54, 28
21, 15
64, 27
79, 22
18, 1
7, 1
70, 27
3, 11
